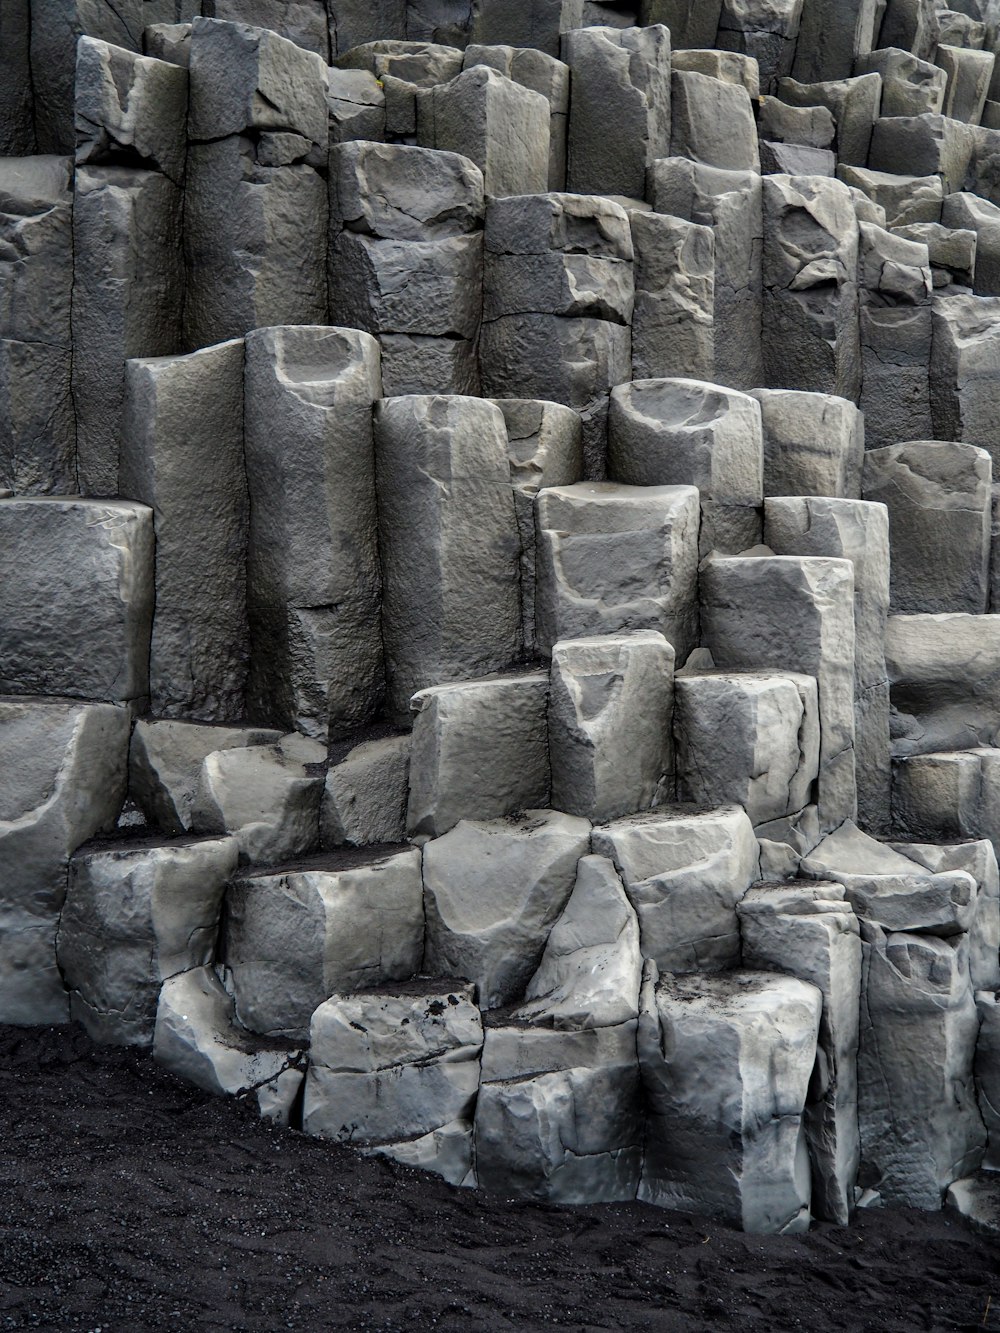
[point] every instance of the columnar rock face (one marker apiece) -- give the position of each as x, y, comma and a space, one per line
497, 503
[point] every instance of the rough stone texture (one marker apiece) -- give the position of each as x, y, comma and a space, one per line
543, 74
17, 115
134, 917
448, 543
943, 670
366, 793
294, 938
492, 892
684, 874
712, 122
966, 354
673, 317
66, 782
76, 597
611, 559
723, 1140
313, 579
814, 444
182, 454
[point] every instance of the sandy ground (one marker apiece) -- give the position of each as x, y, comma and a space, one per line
132, 1202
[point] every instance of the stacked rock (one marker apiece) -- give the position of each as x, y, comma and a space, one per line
500, 580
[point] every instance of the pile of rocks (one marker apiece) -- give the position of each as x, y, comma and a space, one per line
483, 672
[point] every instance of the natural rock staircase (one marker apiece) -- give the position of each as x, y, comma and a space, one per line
498, 568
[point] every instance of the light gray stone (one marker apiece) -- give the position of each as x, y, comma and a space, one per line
721, 1140
966, 210
905, 199
673, 319
952, 248
765, 31
943, 670
977, 859
804, 126
684, 873
366, 793
356, 106
923, 145
910, 86
968, 73
341, 923
543, 74
303, 22
728, 66
134, 916
712, 122
613, 559
492, 892
987, 1069
853, 103
403, 193
182, 454
814, 444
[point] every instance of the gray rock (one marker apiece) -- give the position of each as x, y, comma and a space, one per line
923, 145
609, 724
492, 892
451, 602
133, 917
952, 248
912, 25
267, 797
66, 782
543, 74
943, 670
366, 793
198, 1039
676, 432
545, 448
804, 126
356, 106
128, 291
920, 1128
730, 67
977, 859
811, 338
969, 74
747, 739
813, 444
37, 427
964, 362
619, 117
168, 41
975, 1199
673, 319
939, 498
340, 924
726, 1064
404, 68
712, 122
793, 613
402, 193
165, 760
905, 199
763, 30
853, 103
692, 23
614, 559
394, 1066
354, 22
182, 454
591, 969
987, 1065
130, 108
947, 795
500, 125
76, 597
910, 86
810, 932
778, 159
684, 873
479, 751
313, 581
784, 842
17, 115
965, 210
303, 22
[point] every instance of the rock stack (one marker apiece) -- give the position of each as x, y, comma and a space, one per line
482, 672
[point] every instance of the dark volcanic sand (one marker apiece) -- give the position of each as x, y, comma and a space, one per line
131, 1202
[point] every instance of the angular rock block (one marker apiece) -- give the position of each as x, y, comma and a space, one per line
591, 969
791, 613
943, 671
37, 428
684, 874
712, 122
766, 33
977, 859
939, 498
366, 794
810, 266
346, 922
810, 932
393, 1066
905, 199
920, 1127
910, 86
76, 597
692, 23
558, 1114
267, 797
17, 115
198, 1038
545, 448
609, 724
405, 260
803, 126
673, 318
966, 213
928, 145
492, 892
952, 250
968, 74
688, 433
747, 739
947, 795
404, 69
730, 203
165, 760
727, 66
304, 22
130, 108
853, 103
182, 454
725, 1138
313, 582
356, 106
128, 295
498, 124
619, 116
65, 766
133, 917
857, 531
814, 444
614, 559
448, 543
987, 1064
964, 363
542, 74
479, 751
